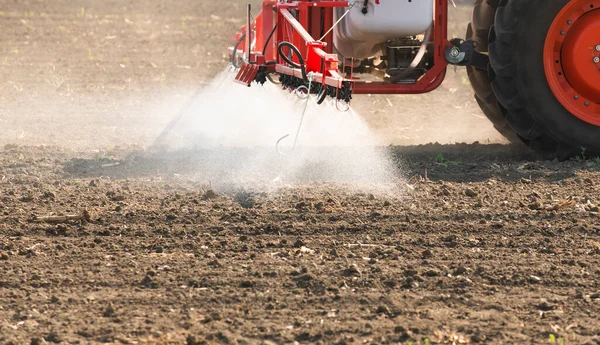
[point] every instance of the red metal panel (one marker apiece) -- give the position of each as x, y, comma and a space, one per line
303, 9
328, 24
247, 73
315, 22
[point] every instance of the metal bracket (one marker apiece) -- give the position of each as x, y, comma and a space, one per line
463, 53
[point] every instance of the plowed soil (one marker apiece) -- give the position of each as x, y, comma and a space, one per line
473, 243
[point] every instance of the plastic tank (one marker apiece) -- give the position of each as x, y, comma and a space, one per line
359, 35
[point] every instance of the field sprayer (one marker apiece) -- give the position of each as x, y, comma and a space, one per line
534, 64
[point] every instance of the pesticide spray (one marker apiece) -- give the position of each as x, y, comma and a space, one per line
234, 131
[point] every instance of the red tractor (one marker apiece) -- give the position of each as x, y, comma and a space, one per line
534, 64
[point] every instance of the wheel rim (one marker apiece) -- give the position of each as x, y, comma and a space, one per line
572, 59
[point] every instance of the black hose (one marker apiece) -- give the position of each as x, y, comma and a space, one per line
287, 59
268, 40
233, 59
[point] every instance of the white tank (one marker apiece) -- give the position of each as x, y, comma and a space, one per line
359, 35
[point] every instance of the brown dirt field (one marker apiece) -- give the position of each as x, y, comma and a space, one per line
473, 243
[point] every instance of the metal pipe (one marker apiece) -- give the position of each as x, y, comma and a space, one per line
249, 33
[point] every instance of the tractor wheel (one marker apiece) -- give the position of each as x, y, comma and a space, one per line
478, 31
545, 73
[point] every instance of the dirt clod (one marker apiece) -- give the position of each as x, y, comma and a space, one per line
470, 193
148, 282
37, 341
209, 195
53, 337
246, 284
427, 253
109, 311
351, 271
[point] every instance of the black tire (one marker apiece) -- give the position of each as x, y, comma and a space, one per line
519, 81
478, 31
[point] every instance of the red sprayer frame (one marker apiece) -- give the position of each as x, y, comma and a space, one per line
299, 22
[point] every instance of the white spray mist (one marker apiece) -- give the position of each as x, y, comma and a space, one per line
238, 128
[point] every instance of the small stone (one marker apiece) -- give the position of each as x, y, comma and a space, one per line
470, 193
427, 253
534, 279
387, 203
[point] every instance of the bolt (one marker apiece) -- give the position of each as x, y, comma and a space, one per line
454, 52
596, 59
586, 103
598, 48
562, 32
576, 96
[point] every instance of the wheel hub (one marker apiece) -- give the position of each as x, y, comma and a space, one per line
572, 59
580, 59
